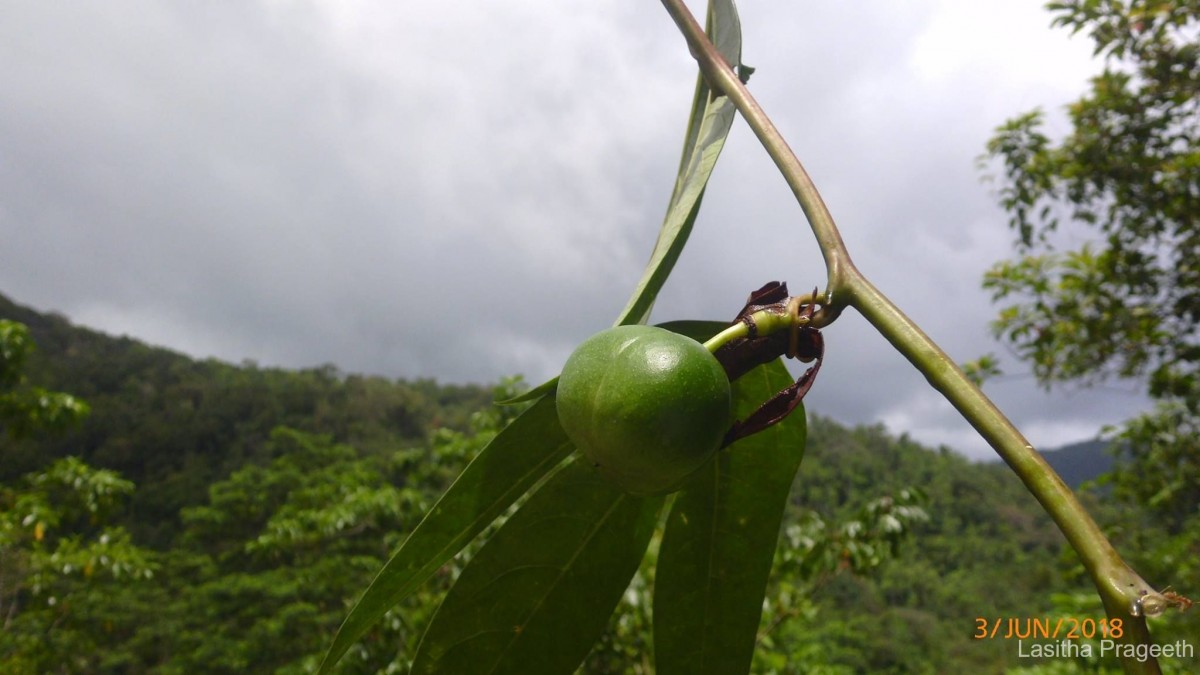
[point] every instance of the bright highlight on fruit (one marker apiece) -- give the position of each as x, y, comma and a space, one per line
649, 407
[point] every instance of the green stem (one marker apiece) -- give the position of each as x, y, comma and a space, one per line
765, 322
1125, 595
737, 330
724, 80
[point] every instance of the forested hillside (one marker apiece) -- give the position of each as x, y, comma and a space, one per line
174, 425
221, 518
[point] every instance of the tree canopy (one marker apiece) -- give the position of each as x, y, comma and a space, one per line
1106, 281
1126, 301
25, 408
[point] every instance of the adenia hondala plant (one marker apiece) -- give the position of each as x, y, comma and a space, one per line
539, 592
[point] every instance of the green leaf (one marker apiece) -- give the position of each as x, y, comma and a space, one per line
533, 394
520, 455
711, 118
539, 593
720, 539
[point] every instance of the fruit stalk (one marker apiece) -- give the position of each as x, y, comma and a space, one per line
764, 321
777, 317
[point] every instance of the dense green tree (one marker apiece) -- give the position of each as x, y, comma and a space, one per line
63, 563
64, 568
1126, 302
263, 571
175, 425
25, 408
265, 565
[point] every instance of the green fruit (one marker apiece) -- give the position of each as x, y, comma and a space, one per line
646, 405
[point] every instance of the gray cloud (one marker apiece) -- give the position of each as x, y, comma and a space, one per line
402, 190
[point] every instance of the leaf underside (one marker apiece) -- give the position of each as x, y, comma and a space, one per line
539, 593
708, 125
716, 552
520, 455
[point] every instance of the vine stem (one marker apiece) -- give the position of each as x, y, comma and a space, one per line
1126, 596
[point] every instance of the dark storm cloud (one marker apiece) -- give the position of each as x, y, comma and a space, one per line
399, 189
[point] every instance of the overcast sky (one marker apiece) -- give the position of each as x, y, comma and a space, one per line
467, 190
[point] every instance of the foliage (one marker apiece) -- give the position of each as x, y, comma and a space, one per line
259, 578
208, 418
258, 574
24, 408
267, 563
60, 559
1125, 302
984, 548
62, 566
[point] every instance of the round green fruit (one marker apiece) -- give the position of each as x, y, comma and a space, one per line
646, 405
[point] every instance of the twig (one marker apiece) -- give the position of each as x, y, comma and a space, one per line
1126, 595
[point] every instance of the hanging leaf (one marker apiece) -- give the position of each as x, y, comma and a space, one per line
709, 124
539, 593
525, 451
533, 394
720, 539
